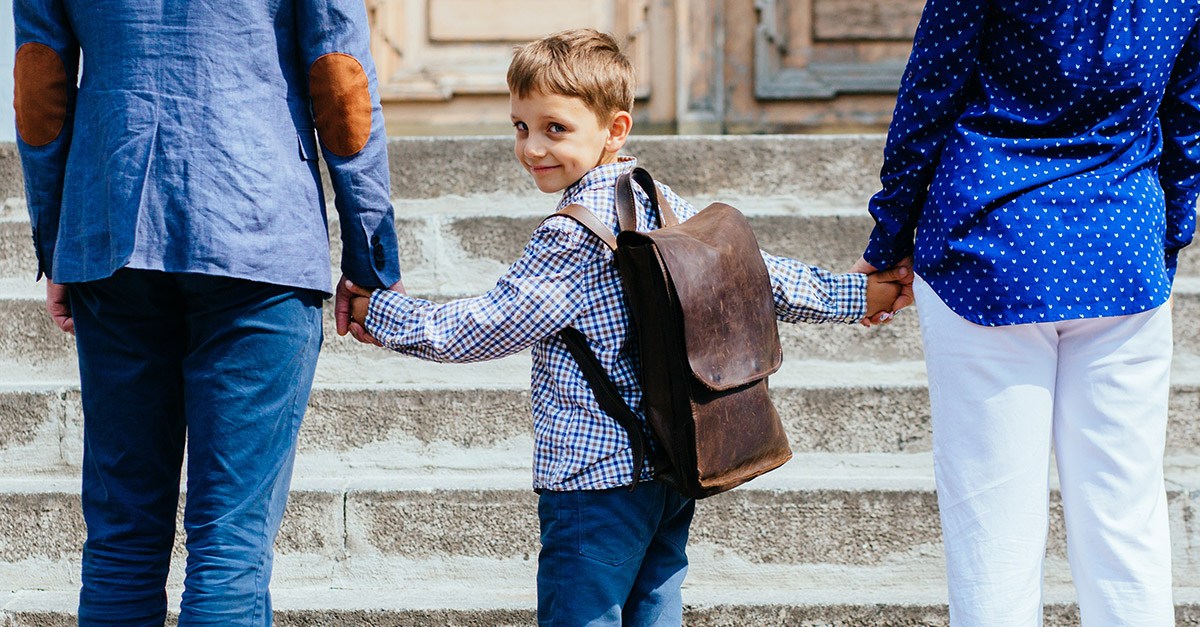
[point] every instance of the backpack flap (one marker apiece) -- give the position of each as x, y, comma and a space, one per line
724, 295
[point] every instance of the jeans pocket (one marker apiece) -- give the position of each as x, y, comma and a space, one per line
617, 525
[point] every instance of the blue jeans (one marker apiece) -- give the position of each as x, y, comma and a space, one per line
225, 365
613, 557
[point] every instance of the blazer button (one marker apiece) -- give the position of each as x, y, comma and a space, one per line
380, 261
375, 240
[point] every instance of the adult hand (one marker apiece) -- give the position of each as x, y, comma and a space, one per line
905, 297
360, 303
58, 304
862, 267
345, 291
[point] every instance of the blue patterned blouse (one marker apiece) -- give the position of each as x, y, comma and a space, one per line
1046, 153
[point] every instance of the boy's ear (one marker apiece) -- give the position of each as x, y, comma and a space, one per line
618, 131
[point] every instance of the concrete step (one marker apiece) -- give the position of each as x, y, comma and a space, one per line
836, 599
806, 196
33, 349
477, 213
359, 524
444, 253
404, 412
829, 169
460, 246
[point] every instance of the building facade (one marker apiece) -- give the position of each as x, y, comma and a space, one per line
704, 66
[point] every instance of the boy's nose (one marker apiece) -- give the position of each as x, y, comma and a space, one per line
534, 148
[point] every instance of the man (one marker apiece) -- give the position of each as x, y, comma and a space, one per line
177, 206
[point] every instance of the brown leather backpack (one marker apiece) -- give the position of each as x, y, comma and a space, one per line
700, 300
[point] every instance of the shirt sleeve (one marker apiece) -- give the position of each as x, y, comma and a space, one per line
541, 294
343, 91
45, 71
1179, 169
933, 94
805, 293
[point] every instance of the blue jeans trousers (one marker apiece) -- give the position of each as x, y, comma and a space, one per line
217, 366
613, 557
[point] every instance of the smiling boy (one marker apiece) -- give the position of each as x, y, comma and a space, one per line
609, 555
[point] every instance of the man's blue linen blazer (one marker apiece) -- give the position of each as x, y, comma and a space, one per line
189, 141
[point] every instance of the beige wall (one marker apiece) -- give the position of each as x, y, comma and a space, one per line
705, 66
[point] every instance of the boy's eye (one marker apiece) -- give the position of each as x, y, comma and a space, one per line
557, 128
520, 126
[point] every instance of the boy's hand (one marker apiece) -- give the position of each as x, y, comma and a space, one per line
888, 292
358, 308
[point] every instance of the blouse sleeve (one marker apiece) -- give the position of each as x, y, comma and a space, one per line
933, 93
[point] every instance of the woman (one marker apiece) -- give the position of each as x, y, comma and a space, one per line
1042, 168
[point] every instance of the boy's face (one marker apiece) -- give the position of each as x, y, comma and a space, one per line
559, 139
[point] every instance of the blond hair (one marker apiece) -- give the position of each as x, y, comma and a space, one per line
583, 63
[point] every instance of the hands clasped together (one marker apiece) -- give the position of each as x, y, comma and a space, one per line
350, 309
888, 291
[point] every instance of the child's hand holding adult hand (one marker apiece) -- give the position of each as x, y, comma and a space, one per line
358, 308
357, 302
888, 291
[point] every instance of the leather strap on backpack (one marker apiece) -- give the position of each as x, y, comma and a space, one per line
626, 208
627, 204
607, 397
589, 221
602, 386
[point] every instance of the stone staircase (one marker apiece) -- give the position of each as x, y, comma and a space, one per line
411, 502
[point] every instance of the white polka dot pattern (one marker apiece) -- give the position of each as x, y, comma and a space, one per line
1043, 162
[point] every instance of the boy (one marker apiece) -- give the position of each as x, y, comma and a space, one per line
609, 555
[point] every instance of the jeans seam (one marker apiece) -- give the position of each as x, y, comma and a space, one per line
260, 604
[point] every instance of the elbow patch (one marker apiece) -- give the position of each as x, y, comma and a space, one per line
341, 99
39, 93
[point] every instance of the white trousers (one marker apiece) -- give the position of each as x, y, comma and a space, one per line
1097, 389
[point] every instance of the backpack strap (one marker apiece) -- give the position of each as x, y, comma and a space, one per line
606, 395
627, 204
626, 208
589, 221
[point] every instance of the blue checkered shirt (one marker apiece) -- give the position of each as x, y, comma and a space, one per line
565, 278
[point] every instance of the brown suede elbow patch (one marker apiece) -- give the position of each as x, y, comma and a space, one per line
341, 101
39, 93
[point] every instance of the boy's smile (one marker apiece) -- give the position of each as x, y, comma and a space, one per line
559, 139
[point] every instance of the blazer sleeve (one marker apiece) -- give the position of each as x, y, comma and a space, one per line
335, 43
45, 71
1179, 168
933, 94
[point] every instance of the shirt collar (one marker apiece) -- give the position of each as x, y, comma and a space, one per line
601, 175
